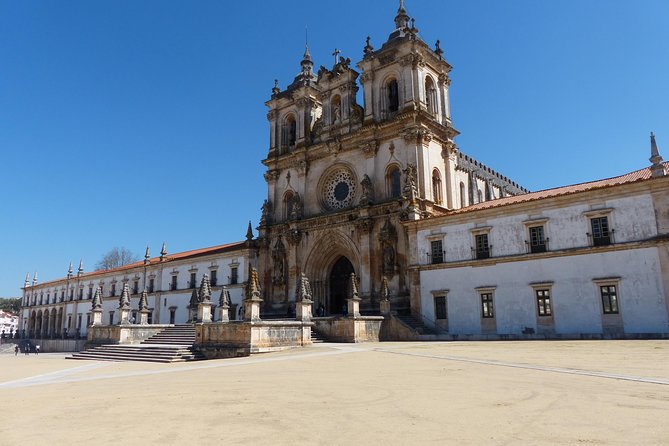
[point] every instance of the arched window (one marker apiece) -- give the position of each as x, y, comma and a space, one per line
393, 182
393, 95
436, 186
430, 95
335, 109
463, 198
288, 133
287, 205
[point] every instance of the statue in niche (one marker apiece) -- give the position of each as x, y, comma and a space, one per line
367, 191
296, 208
388, 259
279, 259
266, 211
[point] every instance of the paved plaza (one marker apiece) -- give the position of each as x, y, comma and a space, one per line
587, 392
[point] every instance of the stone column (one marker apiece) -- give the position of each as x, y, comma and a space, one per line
252, 309
144, 317
224, 314
204, 312
353, 306
97, 317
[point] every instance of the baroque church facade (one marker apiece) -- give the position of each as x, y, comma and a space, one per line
342, 176
381, 190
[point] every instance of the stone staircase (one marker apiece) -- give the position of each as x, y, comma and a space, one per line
417, 325
317, 337
173, 344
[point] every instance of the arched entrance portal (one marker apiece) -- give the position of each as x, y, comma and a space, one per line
340, 276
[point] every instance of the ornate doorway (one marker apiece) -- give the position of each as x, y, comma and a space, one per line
339, 284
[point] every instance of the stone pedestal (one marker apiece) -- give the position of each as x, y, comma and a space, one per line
223, 314
143, 317
385, 307
204, 312
252, 309
303, 310
124, 316
353, 306
97, 317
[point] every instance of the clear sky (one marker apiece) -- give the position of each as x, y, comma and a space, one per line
133, 122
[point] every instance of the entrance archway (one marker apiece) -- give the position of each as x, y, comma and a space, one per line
340, 276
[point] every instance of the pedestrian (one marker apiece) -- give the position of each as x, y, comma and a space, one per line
37, 349
16, 349
27, 350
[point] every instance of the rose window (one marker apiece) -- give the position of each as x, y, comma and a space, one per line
339, 189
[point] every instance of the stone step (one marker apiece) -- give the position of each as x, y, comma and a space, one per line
414, 323
176, 353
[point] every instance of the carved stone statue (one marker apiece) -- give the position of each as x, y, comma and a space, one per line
296, 210
279, 260
367, 191
265, 217
388, 259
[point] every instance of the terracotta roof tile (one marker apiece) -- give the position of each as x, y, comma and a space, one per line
632, 177
155, 260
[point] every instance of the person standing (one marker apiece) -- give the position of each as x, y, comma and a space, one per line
37, 349
16, 350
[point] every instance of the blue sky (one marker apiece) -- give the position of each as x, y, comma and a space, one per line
128, 122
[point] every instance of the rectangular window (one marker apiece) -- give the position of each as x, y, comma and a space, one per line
81, 293
88, 319
192, 283
151, 285
234, 275
79, 321
71, 295
609, 299
600, 231
482, 246
149, 317
135, 287
62, 296
436, 251
111, 318
113, 290
537, 240
487, 310
90, 292
173, 312
214, 278
173, 285
544, 303
440, 307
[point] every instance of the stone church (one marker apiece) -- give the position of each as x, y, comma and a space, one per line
343, 175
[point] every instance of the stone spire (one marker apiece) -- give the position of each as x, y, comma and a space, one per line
402, 18
303, 289
144, 300
35, 279
69, 271
96, 304
657, 169
354, 287
249, 233
204, 295
124, 300
194, 299
163, 252
385, 292
224, 300
147, 255
253, 289
26, 283
80, 270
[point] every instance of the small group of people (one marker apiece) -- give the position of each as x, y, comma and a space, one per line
26, 349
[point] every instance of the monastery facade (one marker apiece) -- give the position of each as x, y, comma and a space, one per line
382, 190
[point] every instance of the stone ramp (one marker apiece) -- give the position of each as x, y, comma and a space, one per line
173, 344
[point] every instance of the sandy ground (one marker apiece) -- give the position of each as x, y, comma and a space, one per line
601, 392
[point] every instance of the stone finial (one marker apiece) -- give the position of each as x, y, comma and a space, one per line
70, 270
147, 255
80, 270
354, 287
657, 169
144, 300
163, 253
437, 49
204, 295
224, 301
26, 283
194, 299
276, 90
253, 289
369, 49
124, 300
96, 304
385, 292
402, 18
35, 279
249, 232
303, 289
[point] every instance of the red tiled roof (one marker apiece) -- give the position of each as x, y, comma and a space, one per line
155, 260
632, 177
